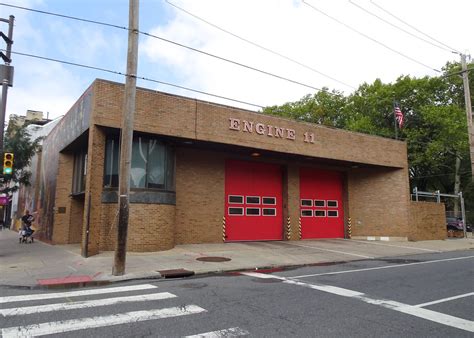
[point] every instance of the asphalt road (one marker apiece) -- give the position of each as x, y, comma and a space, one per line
413, 296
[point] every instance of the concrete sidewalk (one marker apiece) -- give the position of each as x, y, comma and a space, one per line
43, 264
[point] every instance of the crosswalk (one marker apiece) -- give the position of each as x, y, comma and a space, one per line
72, 300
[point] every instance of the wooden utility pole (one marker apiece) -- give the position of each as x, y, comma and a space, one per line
126, 140
467, 100
7, 74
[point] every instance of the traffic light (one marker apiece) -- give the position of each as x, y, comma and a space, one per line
7, 163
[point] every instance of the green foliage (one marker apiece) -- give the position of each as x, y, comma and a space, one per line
18, 141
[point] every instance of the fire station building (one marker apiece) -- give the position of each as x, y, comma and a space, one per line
206, 173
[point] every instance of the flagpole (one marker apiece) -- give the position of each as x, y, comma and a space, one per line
395, 120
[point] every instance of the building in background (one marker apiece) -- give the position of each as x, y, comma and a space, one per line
31, 117
208, 173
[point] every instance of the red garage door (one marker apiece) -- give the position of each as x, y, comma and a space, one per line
321, 204
253, 201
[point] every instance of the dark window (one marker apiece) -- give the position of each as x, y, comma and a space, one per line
236, 211
332, 204
252, 211
236, 199
319, 203
79, 172
306, 213
152, 164
306, 203
269, 212
253, 200
332, 213
319, 213
269, 200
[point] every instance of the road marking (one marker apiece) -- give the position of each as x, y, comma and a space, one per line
395, 246
336, 251
231, 332
382, 267
426, 314
83, 304
445, 299
25, 298
99, 321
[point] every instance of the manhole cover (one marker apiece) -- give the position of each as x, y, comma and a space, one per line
213, 259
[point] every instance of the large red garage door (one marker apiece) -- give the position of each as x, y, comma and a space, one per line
321, 204
253, 201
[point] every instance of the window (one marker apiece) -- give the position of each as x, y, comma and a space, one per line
236, 199
152, 165
252, 211
333, 213
319, 203
79, 172
253, 200
269, 212
269, 200
306, 213
306, 203
332, 204
236, 211
319, 213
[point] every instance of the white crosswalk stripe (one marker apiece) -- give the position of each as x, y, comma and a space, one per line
69, 325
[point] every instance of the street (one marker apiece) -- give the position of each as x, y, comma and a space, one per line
418, 295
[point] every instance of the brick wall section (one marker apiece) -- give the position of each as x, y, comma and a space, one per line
63, 190
378, 202
76, 220
94, 186
293, 199
427, 221
165, 114
200, 188
151, 227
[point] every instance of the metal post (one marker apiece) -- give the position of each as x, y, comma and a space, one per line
415, 190
467, 101
395, 120
5, 81
127, 139
463, 213
438, 197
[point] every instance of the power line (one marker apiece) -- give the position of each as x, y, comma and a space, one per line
138, 77
258, 45
413, 27
370, 38
397, 27
171, 42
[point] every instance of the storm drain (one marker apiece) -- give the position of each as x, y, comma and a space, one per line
213, 259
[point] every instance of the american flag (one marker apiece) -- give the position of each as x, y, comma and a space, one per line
399, 116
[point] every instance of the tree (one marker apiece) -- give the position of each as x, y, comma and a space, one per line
18, 141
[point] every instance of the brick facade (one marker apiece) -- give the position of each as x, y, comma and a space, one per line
427, 221
204, 135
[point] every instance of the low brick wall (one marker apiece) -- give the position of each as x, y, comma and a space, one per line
427, 221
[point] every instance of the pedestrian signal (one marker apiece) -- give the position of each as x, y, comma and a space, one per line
7, 163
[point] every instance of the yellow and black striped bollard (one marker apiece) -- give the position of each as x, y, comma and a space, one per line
223, 229
288, 229
349, 228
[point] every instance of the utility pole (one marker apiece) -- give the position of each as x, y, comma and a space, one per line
467, 100
127, 139
6, 72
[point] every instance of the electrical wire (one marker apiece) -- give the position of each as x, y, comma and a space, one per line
413, 27
171, 42
138, 77
370, 38
258, 45
397, 27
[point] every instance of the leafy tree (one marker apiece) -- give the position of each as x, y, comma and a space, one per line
18, 141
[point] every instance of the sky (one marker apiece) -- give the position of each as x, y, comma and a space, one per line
290, 39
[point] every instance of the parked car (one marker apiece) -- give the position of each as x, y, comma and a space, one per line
456, 223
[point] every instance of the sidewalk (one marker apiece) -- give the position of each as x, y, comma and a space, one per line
43, 264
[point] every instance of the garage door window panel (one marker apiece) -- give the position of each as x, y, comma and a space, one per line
252, 211
253, 199
269, 212
234, 199
236, 211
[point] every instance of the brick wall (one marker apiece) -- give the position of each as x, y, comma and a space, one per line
427, 221
378, 202
199, 196
63, 190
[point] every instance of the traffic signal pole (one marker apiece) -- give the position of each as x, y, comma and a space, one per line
126, 140
7, 74
467, 100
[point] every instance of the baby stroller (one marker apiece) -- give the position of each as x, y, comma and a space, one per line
26, 234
